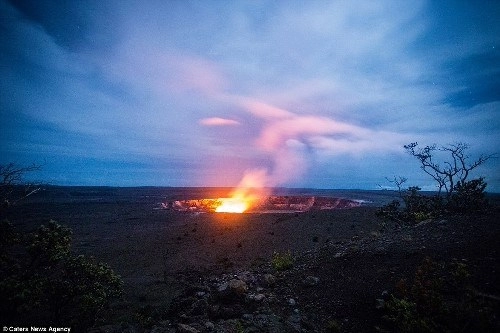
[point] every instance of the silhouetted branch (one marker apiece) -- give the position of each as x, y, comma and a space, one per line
12, 179
398, 181
453, 171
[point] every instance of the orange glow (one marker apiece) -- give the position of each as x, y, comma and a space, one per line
232, 205
249, 191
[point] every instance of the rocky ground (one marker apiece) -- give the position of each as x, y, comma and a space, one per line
340, 286
220, 272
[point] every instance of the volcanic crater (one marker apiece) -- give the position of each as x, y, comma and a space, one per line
269, 204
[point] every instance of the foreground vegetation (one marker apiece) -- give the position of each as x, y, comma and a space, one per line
456, 194
44, 283
469, 197
440, 298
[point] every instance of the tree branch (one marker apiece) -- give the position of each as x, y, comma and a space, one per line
454, 171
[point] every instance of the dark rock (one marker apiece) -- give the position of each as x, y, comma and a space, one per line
310, 281
161, 329
246, 277
229, 311
269, 280
238, 287
199, 308
184, 328
247, 316
209, 326
424, 222
293, 322
113, 329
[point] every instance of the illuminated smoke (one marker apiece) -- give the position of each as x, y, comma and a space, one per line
289, 138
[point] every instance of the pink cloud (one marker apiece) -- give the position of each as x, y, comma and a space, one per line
262, 110
287, 137
216, 121
276, 133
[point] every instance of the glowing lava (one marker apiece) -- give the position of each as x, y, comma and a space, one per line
249, 191
232, 205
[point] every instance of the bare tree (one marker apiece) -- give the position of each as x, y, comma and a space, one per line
398, 181
12, 185
450, 172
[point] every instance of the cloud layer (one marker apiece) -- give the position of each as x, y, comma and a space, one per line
320, 94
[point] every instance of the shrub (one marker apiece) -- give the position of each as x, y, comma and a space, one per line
421, 207
469, 197
417, 207
403, 314
439, 299
391, 212
282, 261
43, 282
50, 243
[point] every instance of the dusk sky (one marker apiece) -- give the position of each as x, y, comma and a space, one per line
320, 94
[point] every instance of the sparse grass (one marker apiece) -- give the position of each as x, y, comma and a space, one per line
282, 261
239, 327
333, 326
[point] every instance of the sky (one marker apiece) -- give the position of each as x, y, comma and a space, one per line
319, 94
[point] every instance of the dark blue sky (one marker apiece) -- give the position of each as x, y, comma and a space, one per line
196, 93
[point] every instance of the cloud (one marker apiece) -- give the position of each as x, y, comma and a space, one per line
261, 109
290, 139
282, 88
216, 121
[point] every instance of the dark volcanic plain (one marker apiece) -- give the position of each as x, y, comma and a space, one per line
166, 257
